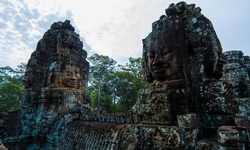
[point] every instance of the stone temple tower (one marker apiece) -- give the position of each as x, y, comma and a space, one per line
55, 80
185, 105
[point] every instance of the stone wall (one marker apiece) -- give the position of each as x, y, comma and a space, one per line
237, 73
10, 124
185, 105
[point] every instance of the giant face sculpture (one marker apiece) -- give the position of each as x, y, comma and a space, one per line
70, 68
164, 58
66, 76
71, 77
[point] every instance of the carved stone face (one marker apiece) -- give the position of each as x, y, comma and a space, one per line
27, 80
71, 77
164, 62
67, 77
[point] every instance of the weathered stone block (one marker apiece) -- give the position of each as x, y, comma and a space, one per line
209, 133
228, 136
207, 145
244, 108
182, 63
189, 121
207, 120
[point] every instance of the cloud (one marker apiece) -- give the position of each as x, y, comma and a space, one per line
22, 26
111, 27
115, 28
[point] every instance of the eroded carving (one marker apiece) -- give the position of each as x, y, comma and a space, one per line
182, 106
67, 76
163, 57
182, 63
55, 80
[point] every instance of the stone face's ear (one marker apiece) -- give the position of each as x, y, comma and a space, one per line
2, 147
145, 69
213, 64
204, 45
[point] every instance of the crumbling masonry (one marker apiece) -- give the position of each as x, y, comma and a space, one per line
188, 102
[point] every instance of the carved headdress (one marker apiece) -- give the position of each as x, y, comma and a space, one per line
59, 47
194, 34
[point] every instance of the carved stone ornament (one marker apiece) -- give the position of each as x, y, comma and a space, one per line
182, 62
56, 78
185, 104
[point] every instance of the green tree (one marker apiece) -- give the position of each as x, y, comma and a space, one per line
130, 81
7, 74
101, 68
114, 88
11, 87
10, 97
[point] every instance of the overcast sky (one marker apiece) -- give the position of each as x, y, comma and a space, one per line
110, 27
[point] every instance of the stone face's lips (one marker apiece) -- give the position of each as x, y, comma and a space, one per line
72, 83
161, 70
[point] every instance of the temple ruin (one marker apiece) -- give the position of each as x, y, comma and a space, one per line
196, 97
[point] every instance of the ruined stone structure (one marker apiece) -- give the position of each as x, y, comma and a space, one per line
55, 79
187, 104
55, 83
237, 73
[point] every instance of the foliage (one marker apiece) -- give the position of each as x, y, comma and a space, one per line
129, 83
10, 97
102, 67
11, 87
114, 88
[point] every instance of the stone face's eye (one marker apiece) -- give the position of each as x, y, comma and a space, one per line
166, 49
78, 75
162, 46
151, 51
68, 74
168, 52
151, 55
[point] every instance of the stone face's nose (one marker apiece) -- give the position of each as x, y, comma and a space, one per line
73, 77
158, 59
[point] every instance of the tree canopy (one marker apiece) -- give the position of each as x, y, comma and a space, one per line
11, 87
113, 87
